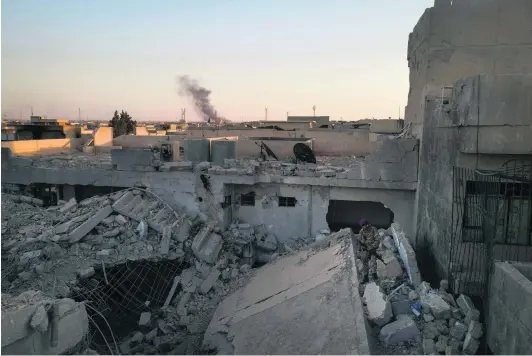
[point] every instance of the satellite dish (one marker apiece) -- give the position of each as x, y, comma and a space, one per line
304, 153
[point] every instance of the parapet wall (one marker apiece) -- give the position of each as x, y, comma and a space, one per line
510, 312
33, 147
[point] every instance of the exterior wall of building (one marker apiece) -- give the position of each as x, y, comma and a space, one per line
510, 309
103, 136
469, 37
33, 147
451, 126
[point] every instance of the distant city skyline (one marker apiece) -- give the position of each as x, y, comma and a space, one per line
345, 57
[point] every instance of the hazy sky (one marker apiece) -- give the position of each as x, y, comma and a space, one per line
347, 57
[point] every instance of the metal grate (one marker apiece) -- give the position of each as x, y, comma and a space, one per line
492, 220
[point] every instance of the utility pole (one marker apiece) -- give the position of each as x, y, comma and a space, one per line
287, 115
266, 114
79, 114
31, 110
314, 110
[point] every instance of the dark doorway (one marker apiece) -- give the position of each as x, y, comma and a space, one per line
346, 213
83, 192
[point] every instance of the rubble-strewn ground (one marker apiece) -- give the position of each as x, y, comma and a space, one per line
151, 278
409, 319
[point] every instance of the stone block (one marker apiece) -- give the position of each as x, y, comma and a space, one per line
206, 245
429, 347
69, 205
401, 307
472, 315
389, 269
207, 284
458, 330
475, 329
378, 306
439, 308
403, 329
86, 273
165, 240
145, 319
120, 204
465, 303
470, 346
183, 232
39, 320
82, 230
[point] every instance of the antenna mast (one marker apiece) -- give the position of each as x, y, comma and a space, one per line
314, 110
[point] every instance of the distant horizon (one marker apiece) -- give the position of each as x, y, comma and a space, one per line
251, 56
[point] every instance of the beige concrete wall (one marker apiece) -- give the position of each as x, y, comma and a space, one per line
386, 126
281, 148
141, 131
326, 142
32, 147
103, 136
130, 141
290, 125
451, 42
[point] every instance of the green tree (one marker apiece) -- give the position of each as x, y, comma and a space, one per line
122, 123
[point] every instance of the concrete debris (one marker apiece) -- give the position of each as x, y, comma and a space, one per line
403, 329
437, 306
475, 329
145, 319
378, 307
471, 345
429, 347
39, 320
458, 330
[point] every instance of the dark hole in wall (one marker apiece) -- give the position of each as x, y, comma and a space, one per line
83, 192
120, 302
345, 213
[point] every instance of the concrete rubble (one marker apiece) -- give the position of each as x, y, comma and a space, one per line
409, 316
53, 249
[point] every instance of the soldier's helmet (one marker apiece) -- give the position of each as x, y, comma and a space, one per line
363, 222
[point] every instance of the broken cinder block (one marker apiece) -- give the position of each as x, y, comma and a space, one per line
207, 284
206, 245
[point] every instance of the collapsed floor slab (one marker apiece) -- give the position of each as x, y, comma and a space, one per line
306, 303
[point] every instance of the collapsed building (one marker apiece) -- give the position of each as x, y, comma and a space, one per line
150, 244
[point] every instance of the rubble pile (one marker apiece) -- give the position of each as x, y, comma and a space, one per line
253, 166
54, 249
410, 319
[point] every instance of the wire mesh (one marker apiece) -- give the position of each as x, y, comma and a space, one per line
117, 296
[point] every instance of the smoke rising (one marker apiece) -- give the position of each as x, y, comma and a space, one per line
201, 98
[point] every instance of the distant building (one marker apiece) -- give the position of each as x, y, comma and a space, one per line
321, 121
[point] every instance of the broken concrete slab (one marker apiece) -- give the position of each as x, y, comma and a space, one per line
465, 303
378, 306
20, 339
207, 284
407, 254
145, 319
39, 320
439, 308
165, 240
70, 205
82, 230
471, 345
319, 291
206, 245
403, 329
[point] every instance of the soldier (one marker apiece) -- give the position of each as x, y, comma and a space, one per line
369, 236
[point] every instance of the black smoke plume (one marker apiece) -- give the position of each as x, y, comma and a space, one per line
201, 98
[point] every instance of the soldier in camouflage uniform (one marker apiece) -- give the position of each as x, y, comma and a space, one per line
368, 242
369, 236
